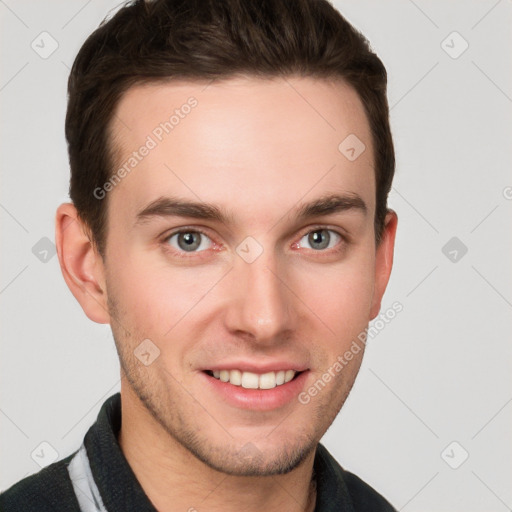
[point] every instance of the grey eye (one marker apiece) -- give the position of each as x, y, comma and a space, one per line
189, 241
321, 239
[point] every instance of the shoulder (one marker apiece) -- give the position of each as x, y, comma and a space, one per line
363, 496
48, 490
339, 489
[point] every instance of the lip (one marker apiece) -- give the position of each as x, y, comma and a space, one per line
248, 366
256, 399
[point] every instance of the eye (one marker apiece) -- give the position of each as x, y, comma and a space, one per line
189, 241
321, 239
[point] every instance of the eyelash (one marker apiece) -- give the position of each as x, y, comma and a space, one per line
183, 254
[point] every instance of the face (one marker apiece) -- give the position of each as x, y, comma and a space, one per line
241, 254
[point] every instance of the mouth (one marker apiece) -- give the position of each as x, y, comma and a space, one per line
251, 380
255, 391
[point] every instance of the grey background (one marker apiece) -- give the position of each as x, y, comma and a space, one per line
438, 373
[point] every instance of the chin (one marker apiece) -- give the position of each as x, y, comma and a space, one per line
251, 461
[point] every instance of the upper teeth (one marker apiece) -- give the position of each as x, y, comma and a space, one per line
251, 380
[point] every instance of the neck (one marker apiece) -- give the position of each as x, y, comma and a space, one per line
174, 479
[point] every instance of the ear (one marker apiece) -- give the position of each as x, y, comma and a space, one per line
384, 261
80, 263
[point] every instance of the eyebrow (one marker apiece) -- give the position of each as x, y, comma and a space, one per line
173, 206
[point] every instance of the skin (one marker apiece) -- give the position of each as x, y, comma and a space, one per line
258, 149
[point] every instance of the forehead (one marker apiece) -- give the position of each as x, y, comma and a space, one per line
247, 144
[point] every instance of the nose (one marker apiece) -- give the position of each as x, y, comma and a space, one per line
262, 304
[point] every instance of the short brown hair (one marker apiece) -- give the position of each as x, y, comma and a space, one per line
151, 41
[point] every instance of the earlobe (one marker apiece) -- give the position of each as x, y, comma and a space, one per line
80, 263
384, 261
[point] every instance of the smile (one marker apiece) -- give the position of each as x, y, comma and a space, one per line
250, 380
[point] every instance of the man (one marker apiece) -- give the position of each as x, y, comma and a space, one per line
230, 166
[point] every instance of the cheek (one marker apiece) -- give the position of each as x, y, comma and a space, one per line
341, 295
340, 298
154, 295
345, 296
